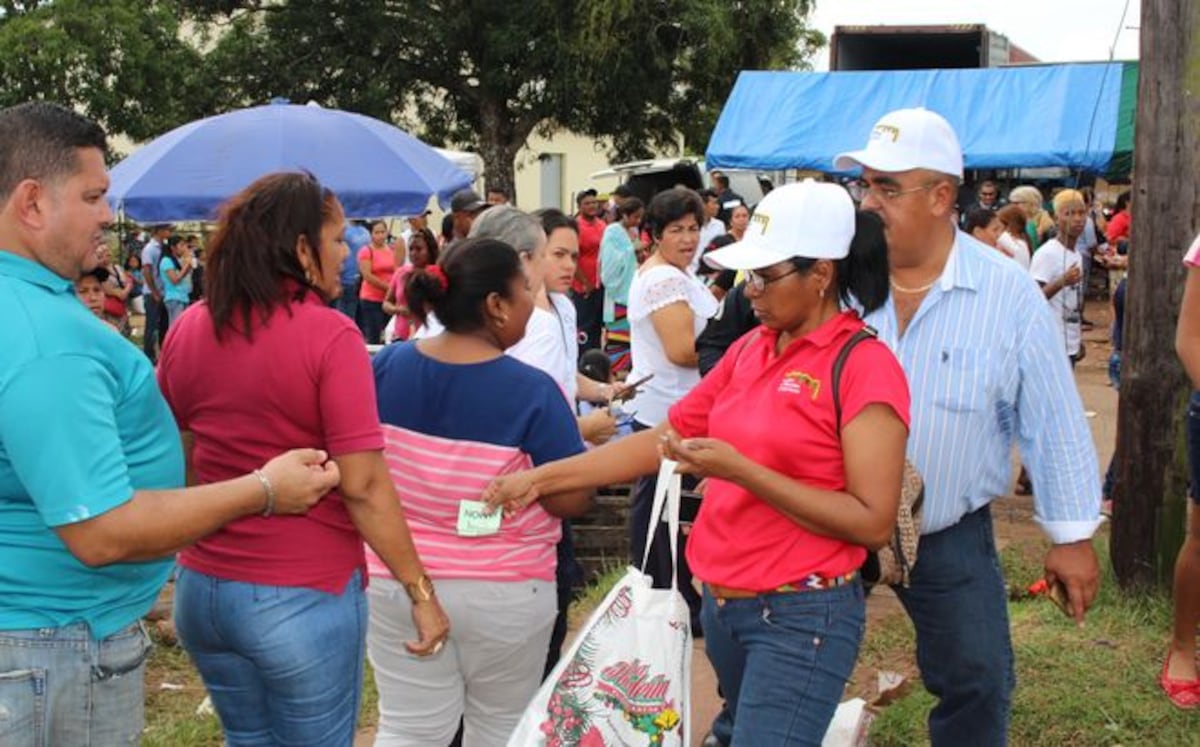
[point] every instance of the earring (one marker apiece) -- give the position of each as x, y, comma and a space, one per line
822, 294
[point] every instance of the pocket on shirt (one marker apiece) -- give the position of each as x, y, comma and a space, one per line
964, 374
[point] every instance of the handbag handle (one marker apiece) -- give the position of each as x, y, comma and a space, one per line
667, 490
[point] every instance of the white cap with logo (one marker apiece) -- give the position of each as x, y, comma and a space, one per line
908, 139
807, 219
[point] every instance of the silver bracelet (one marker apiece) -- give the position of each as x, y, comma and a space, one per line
269, 490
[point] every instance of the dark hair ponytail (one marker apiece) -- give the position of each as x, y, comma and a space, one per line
863, 273
171, 251
422, 289
456, 287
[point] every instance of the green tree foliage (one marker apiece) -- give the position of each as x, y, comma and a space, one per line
120, 61
476, 73
486, 74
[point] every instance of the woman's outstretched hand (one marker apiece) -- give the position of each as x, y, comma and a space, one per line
511, 493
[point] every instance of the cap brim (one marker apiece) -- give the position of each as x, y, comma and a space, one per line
743, 255
865, 158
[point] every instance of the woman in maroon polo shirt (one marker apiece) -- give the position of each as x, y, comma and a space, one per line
794, 497
272, 608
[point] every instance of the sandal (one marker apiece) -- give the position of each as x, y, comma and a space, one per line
1184, 694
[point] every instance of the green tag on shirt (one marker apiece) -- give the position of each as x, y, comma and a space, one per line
475, 521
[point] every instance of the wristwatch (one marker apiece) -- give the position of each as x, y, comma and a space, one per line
420, 590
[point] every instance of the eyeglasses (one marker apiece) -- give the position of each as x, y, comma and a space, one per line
758, 283
859, 190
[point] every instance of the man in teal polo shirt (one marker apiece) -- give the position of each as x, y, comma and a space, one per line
91, 463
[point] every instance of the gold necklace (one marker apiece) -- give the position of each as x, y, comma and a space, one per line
900, 288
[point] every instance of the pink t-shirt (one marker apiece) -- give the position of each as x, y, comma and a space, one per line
304, 381
382, 263
1191, 257
432, 475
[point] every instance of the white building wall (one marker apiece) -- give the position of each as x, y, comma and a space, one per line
577, 157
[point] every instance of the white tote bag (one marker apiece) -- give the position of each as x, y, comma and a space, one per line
626, 679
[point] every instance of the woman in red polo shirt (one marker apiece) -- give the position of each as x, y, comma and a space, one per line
794, 498
271, 608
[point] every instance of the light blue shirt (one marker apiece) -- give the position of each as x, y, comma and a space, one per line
151, 257
986, 368
82, 426
180, 292
618, 264
356, 237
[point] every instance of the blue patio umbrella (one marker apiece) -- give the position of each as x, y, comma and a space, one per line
375, 168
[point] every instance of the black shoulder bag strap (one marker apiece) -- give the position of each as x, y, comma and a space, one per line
866, 333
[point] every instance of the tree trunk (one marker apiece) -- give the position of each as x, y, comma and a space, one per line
1149, 499
500, 137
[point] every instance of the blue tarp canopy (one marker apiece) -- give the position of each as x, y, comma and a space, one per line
1078, 116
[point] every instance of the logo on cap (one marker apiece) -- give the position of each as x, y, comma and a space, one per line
883, 130
763, 218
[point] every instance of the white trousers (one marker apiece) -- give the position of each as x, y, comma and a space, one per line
486, 674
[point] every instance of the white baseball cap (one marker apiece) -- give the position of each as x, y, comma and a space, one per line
807, 219
908, 139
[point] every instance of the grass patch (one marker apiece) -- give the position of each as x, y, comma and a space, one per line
1075, 687
1095, 685
171, 712
590, 596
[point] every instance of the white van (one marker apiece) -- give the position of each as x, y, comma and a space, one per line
648, 178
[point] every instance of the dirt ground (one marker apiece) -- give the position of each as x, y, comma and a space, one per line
1012, 517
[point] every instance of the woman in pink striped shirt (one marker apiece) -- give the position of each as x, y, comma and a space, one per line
456, 413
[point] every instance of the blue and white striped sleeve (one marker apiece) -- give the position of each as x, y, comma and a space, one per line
1052, 432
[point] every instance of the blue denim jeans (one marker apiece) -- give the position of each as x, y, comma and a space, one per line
156, 314
959, 607
60, 686
283, 664
174, 309
782, 661
347, 303
371, 320
1193, 445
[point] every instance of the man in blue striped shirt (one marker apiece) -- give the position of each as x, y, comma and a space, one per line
985, 366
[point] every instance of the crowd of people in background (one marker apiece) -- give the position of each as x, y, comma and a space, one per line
321, 517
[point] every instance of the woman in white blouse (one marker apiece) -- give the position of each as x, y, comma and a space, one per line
1013, 240
668, 307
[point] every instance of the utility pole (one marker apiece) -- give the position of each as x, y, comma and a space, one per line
1150, 497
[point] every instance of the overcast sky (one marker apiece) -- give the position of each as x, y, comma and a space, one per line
1051, 30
